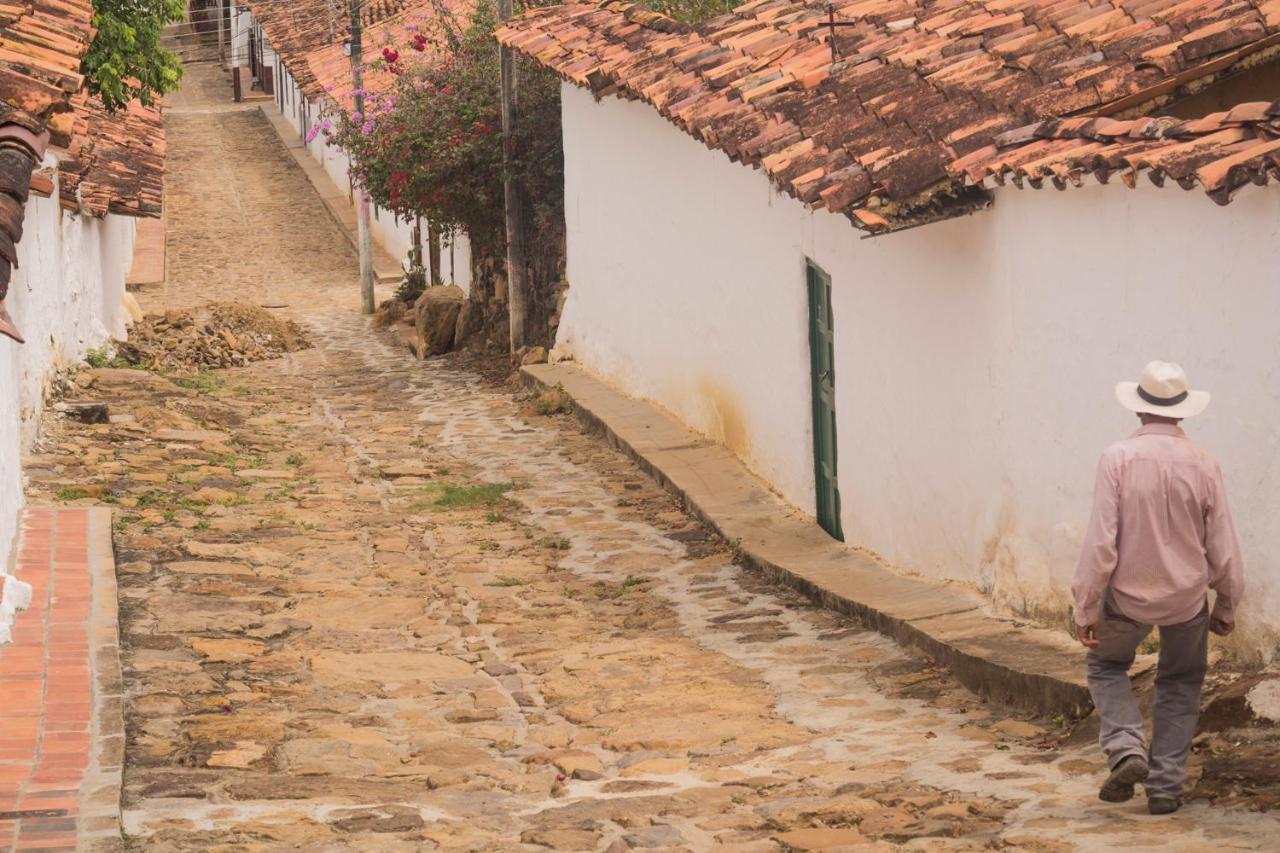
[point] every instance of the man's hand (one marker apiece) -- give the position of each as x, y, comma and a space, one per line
1221, 627
1088, 635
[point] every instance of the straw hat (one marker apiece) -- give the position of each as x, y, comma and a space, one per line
1162, 390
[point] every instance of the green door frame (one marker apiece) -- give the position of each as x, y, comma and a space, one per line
823, 384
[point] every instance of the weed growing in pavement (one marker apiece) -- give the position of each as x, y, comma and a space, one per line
453, 496
295, 459
554, 402
69, 494
569, 592
284, 493
494, 517
506, 580
488, 545
556, 543
203, 524
100, 357
204, 382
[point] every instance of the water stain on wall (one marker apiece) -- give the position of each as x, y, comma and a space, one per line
728, 423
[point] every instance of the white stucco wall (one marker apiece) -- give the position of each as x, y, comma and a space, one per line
241, 23
975, 358
65, 296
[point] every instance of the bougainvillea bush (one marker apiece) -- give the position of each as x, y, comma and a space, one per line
430, 143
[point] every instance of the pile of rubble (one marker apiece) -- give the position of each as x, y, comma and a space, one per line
221, 334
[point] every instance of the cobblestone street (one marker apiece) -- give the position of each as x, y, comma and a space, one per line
370, 603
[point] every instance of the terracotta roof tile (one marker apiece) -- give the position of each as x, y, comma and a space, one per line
307, 35
115, 163
1220, 153
918, 86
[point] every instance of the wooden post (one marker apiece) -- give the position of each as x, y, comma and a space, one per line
517, 274
364, 239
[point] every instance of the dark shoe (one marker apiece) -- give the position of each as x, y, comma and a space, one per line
1119, 785
1163, 805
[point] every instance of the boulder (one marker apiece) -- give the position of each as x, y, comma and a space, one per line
470, 323
436, 318
535, 355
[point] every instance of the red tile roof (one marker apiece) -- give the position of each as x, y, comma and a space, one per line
1221, 152
295, 28
308, 36
116, 161
41, 45
918, 84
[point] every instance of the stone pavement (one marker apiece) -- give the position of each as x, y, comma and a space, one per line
386, 269
61, 736
1002, 659
369, 603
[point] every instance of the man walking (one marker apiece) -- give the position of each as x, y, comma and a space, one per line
1159, 538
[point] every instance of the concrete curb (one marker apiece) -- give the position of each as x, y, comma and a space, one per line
99, 809
1002, 660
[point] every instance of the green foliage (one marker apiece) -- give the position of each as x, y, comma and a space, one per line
125, 60
102, 357
204, 381
431, 146
692, 12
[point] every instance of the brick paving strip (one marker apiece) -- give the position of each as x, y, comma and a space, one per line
61, 734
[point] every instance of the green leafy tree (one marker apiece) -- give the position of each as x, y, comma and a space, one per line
125, 60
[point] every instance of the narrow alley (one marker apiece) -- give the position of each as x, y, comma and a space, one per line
371, 603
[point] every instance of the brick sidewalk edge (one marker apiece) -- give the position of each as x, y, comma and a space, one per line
99, 828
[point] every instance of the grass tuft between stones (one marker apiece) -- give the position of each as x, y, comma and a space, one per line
452, 496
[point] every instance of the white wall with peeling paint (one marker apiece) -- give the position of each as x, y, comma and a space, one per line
975, 358
65, 296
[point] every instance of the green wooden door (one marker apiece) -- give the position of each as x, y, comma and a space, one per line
822, 367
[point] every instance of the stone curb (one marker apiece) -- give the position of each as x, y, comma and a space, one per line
1002, 660
99, 819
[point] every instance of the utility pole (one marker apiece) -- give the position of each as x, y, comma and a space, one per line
517, 275
364, 240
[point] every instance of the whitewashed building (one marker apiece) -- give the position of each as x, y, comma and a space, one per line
74, 249
898, 342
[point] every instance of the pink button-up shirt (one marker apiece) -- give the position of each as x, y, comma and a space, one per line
1161, 533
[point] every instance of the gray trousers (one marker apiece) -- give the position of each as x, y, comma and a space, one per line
1184, 652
